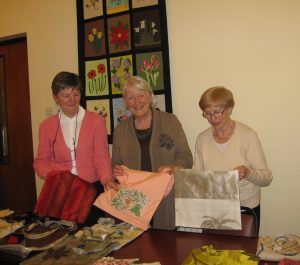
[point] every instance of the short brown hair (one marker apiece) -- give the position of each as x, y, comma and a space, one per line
216, 95
64, 80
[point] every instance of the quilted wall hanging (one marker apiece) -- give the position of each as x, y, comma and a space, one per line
118, 39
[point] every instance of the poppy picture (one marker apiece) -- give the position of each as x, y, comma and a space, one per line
96, 78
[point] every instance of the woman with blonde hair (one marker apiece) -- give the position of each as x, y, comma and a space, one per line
150, 140
228, 144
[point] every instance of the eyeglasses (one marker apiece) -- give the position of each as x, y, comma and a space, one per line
216, 114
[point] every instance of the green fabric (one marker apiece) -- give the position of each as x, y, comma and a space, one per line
208, 255
87, 245
65, 254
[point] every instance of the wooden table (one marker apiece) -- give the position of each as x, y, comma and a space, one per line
171, 248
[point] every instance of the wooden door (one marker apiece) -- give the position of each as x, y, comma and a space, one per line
17, 178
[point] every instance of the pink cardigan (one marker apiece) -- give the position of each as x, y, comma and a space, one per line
92, 156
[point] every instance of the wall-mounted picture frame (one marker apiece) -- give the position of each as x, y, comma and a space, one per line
118, 39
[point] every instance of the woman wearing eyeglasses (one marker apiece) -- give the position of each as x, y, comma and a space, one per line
229, 144
74, 139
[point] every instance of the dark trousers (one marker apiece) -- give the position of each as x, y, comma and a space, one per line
257, 211
95, 212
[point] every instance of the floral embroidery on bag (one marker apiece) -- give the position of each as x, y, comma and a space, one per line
130, 199
165, 141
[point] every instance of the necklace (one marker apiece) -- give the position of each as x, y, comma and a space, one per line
73, 139
226, 135
143, 134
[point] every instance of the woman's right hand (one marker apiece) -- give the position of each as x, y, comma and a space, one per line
118, 171
244, 172
111, 185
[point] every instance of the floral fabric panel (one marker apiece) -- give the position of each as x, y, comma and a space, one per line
139, 195
121, 71
96, 79
149, 66
207, 199
275, 248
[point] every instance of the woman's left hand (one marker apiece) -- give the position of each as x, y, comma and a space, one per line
244, 172
111, 185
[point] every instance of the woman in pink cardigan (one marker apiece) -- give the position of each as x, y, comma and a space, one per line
74, 139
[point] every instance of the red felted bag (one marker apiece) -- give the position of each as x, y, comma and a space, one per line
82, 194
66, 196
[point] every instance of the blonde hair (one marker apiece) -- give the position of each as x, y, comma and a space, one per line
141, 85
218, 95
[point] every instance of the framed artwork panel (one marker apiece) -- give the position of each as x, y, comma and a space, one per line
120, 72
119, 34
96, 78
143, 3
101, 106
92, 8
160, 104
150, 66
94, 38
116, 6
146, 29
120, 111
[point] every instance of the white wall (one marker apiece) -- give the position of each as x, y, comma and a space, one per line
51, 30
250, 46
253, 48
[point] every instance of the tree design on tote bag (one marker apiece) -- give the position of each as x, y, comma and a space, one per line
130, 199
218, 222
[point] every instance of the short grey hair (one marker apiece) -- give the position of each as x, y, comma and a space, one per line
141, 85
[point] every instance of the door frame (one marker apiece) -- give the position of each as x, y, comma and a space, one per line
17, 177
